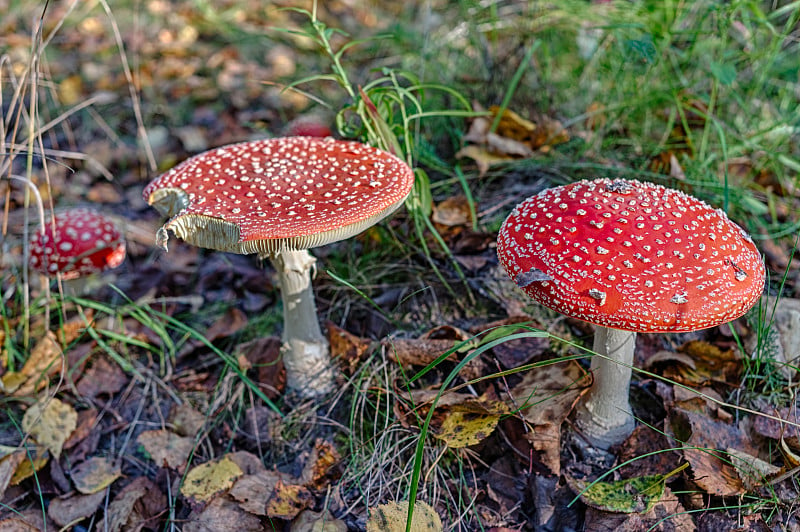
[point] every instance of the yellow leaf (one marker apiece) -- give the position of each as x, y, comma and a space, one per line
482, 157
50, 422
71, 90
95, 474
203, 482
461, 429
288, 500
392, 517
32, 462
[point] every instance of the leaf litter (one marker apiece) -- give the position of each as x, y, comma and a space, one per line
513, 427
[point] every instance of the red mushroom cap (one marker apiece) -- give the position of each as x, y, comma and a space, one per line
279, 194
632, 256
83, 242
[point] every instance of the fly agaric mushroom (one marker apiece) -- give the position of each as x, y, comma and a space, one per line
629, 257
78, 242
277, 198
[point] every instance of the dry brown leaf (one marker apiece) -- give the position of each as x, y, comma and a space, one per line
186, 420
233, 321
546, 396
706, 440
11, 458
549, 133
483, 157
167, 448
319, 463
17, 524
263, 354
288, 500
102, 377
309, 521
84, 427
136, 506
775, 430
73, 509
94, 474
253, 491
347, 348
423, 351
452, 211
753, 471
45, 361
699, 363
50, 422
507, 147
222, 514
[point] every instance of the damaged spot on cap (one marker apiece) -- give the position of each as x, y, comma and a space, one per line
532, 276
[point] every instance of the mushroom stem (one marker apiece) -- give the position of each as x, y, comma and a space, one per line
309, 372
604, 416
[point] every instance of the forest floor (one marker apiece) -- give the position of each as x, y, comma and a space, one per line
152, 396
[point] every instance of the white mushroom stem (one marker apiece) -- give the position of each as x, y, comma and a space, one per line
604, 417
306, 357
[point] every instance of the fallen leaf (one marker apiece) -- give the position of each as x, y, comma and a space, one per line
507, 146
452, 211
94, 474
644, 453
204, 482
546, 396
46, 359
167, 448
323, 521
102, 377
15, 524
75, 508
512, 125
423, 351
186, 420
222, 514
253, 491
667, 515
263, 354
233, 321
50, 422
699, 363
752, 470
632, 495
393, 517
11, 458
34, 459
288, 500
469, 423
84, 426
776, 430
515, 353
346, 348
482, 156
136, 506
704, 438
319, 464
